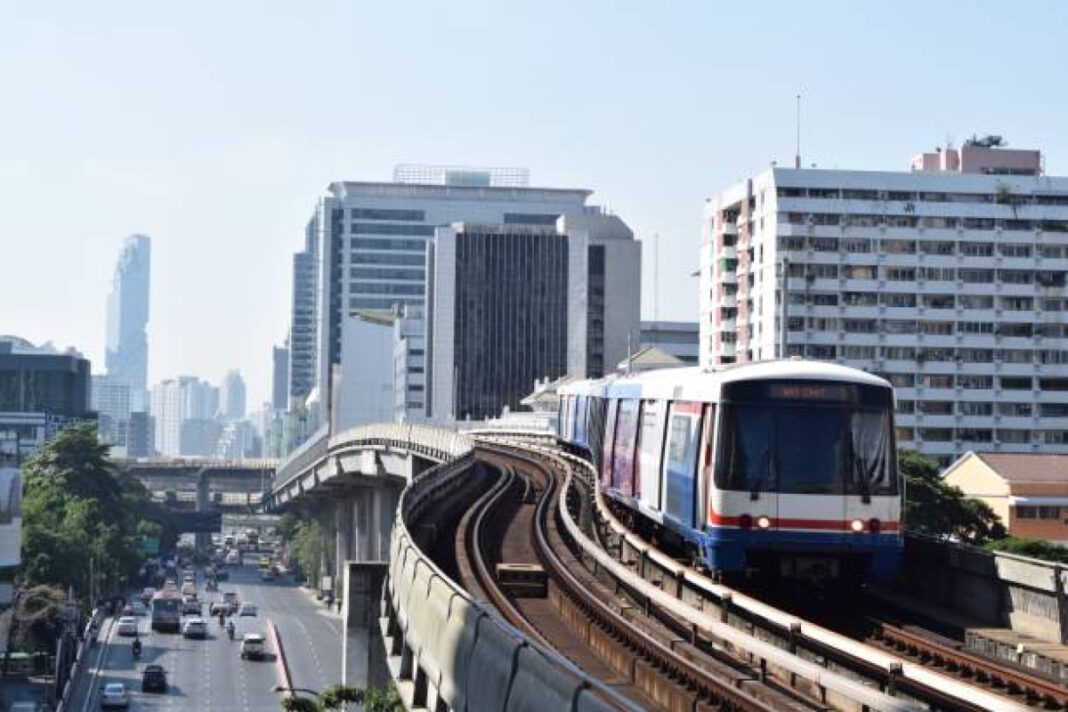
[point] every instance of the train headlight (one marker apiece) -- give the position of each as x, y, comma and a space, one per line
857, 525
763, 522
874, 526
745, 522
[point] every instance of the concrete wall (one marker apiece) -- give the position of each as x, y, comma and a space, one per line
1000, 590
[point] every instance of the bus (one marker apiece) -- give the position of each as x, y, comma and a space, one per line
167, 611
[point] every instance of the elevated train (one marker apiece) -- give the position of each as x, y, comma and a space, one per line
787, 468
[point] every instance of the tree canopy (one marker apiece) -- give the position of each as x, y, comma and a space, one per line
934, 507
80, 512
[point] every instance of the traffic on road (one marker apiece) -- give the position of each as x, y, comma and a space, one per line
219, 654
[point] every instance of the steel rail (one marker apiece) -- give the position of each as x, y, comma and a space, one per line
966, 664
939, 687
721, 692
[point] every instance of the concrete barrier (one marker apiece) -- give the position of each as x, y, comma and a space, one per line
1001, 590
447, 651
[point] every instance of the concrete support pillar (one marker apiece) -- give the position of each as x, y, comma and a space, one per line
202, 540
363, 654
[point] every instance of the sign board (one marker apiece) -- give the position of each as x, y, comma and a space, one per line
10, 516
150, 545
192, 522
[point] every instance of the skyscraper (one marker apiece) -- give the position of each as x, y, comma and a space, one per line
232, 406
511, 304
365, 249
126, 355
280, 377
184, 411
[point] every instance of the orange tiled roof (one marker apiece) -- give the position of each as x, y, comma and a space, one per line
1018, 468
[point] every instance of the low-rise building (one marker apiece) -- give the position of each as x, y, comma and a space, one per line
42, 391
1029, 492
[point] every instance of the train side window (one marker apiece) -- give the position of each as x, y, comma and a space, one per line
609, 442
624, 449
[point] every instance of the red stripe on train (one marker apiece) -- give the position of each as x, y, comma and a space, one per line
844, 525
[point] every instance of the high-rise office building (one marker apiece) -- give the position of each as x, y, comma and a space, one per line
126, 349
280, 377
949, 280
304, 319
111, 401
232, 396
183, 409
42, 391
511, 304
368, 242
409, 365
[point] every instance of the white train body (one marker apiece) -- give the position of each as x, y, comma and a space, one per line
787, 466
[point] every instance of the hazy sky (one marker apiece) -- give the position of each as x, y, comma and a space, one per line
213, 126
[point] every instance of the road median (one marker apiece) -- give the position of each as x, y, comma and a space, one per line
281, 664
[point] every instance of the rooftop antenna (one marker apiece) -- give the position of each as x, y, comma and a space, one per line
797, 156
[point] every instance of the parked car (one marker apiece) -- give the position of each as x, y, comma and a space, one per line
127, 626
195, 627
114, 696
252, 647
154, 679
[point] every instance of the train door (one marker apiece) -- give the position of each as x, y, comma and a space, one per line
578, 420
705, 464
680, 462
609, 441
624, 447
650, 454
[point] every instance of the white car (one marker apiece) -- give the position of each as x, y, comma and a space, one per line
114, 695
252, 646
195, 628
247, 609
127, 626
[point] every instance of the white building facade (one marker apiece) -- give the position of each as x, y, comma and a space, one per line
184, 410
368, 241
948, 280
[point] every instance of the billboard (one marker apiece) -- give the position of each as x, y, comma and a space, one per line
10, 516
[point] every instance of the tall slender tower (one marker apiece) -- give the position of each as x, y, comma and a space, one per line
126, 355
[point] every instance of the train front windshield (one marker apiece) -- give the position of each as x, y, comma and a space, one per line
807, 437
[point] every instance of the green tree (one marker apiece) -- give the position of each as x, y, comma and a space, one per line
40, 618
308, 549
379, 699
939, 509
287, 526
1034, 548
338, 697
300, 704
82, 517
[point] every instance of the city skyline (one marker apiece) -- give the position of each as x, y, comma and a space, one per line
228, 183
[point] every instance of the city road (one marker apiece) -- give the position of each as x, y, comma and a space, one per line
209, 674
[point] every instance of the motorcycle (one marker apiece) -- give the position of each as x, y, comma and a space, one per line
230, 630
136, 649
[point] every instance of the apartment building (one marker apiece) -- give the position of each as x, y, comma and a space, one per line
947, 279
